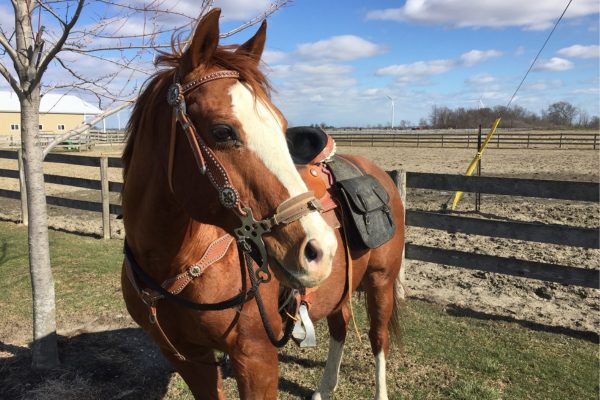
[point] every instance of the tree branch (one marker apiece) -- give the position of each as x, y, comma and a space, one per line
259, 18
59, 43
4, 42
11, 80
52, 12
85, 126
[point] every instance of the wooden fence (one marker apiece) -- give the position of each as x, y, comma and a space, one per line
535, 232
467, 139
83, 141
463, 138
103, 185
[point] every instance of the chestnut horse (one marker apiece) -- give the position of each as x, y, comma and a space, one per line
207, 153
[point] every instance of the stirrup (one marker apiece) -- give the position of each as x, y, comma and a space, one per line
304, 330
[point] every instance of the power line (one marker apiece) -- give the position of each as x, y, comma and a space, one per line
538, 54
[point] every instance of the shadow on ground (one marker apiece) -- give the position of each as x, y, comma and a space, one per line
458, 311
117, 364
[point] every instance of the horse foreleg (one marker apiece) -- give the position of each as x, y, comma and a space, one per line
202, 374
338, 326
255, 366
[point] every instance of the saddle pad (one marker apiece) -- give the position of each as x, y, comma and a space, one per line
371, 223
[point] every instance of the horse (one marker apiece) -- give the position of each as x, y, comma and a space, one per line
218, 221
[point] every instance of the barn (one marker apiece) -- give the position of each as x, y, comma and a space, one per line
59, 113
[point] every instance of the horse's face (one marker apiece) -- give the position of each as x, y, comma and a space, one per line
246, 133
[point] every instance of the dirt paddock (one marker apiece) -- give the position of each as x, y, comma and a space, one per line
467, 291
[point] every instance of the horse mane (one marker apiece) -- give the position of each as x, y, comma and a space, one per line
153, 94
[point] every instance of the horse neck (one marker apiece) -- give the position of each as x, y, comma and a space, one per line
162, 235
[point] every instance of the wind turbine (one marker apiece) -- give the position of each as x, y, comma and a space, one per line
392, 101
479, 101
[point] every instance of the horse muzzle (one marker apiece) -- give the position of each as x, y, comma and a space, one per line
308, 263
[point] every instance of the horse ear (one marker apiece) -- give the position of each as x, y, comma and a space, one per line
204, 43
255, 46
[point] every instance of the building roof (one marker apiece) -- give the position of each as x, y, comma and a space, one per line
52, 103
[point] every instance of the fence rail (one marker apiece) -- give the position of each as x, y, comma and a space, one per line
463, 138
83, 141
467, 139
535, 232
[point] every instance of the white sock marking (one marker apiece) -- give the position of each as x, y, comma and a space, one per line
381, 386
332, 370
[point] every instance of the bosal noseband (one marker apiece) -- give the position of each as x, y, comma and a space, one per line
249, 235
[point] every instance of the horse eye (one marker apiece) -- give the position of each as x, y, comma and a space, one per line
224, 133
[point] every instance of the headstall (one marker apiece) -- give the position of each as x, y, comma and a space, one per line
249, 235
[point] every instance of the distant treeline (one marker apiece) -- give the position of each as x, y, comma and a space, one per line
558, 115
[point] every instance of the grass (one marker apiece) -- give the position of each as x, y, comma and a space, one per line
85, 269
442, 356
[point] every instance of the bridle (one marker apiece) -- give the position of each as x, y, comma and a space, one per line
249, 234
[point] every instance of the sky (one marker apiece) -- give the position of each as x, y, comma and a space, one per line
336, 62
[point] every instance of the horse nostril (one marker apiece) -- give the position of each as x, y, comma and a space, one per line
312, 251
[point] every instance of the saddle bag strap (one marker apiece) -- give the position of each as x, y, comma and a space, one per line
350, 272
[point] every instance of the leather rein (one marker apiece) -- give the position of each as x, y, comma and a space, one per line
248, 236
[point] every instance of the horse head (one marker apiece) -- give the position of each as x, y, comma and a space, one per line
226, 155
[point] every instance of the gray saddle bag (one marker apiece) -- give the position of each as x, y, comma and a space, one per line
370, 222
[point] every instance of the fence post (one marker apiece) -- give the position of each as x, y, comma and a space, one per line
105, 198
595, 138
23, 188
560, 141
399, 178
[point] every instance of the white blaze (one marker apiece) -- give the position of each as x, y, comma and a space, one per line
265, 138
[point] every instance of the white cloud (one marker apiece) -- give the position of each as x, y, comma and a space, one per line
481, 79
553, 64
340, 48
311, 69
520, 51
473, 57
580, 51
236, 10
417, 70
273, 56
587, 91
535, 15
423, 69
544, 85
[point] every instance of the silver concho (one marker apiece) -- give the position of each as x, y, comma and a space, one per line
173, 94
228, 197
195, 271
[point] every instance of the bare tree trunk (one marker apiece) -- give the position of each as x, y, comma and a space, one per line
44, 349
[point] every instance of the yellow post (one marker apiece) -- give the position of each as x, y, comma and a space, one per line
478, 156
